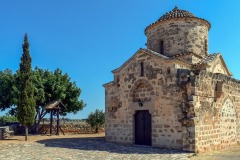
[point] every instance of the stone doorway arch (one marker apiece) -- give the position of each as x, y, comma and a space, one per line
142, 90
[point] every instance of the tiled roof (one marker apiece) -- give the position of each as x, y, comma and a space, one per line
209, 58
176, 57
154, 53
148, 51
176, 13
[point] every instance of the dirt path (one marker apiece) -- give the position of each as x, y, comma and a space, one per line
95, 146
34, 138
83, 147
231, 153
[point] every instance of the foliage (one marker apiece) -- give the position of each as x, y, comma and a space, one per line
48, 86
7, 119
8, 89
26, 102
52, 86
96, 119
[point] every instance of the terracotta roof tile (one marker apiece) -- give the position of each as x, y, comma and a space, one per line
209, 58
176, 13
155, 53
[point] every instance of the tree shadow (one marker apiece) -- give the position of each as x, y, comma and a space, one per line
9, 139
99, 144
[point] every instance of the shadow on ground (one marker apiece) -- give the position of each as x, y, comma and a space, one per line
12, 139
99, 144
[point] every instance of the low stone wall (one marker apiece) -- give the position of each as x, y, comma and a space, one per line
5, 132
81, 128
14, 127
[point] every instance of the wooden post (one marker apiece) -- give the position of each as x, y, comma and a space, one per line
58, 122
26, 133
51, 121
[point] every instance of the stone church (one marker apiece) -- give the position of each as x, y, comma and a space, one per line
174, 94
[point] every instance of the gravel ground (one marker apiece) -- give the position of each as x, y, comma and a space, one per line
81, 147
93, 147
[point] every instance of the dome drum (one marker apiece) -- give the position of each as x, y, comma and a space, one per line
178, 32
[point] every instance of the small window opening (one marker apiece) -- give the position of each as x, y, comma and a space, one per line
161, 47
142, 69
206, 47
219, 86
168, 71
118, 82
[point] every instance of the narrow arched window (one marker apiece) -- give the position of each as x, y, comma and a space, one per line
161, 47
142, 69
206, 47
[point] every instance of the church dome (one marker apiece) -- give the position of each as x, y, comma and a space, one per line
176, 13
179, 32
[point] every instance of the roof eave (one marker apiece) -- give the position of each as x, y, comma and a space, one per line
147, 51
108, 84
180, 18
229, 73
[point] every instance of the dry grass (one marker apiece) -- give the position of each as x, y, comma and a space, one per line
34, 138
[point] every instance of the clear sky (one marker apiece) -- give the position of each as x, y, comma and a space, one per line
89, 38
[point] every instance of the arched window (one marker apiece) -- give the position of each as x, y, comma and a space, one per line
142, 69
161, 47
206, 47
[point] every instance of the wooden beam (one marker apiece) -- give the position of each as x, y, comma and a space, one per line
57, 122
51, 121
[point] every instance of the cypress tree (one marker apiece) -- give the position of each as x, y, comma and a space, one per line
26, 103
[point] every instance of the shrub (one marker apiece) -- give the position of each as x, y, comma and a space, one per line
4, 120
96, 119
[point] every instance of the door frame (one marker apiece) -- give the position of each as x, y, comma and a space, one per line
134, 126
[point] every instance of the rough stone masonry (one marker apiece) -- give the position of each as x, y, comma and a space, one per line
174, 94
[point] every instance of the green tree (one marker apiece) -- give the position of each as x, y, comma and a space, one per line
96, 119
26, 102
52, 86
48, 86
7, 119
8, 89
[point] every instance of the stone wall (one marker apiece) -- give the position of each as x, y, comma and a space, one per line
4, 132
216, 103
179, 36
191, 110
70, 129
158, 91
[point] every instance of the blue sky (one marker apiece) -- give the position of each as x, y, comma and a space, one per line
89, 38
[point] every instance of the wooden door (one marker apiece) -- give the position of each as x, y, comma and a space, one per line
143, 128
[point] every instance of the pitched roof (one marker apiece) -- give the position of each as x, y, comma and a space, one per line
153, 53
176, 13
109, 83
209, 58
54, 105
148, 51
